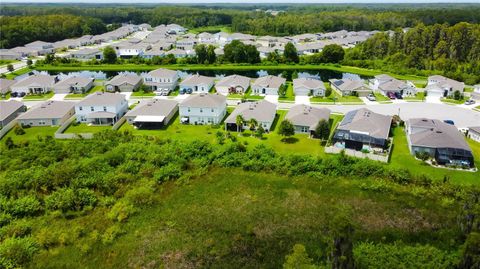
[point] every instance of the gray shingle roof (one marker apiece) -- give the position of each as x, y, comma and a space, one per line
303, 115
163, 73
269, 81
308, 83
5, 84
204, 100
73, 81
155, 107
48, 110
348, 84
234, 81
102, 99
196, 80
38, 80
8, 107
124, 78
437, 134
259, 110
475, 129
365, 121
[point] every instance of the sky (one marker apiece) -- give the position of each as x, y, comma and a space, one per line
239, 1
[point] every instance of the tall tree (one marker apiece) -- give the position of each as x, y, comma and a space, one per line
332, 53
201, 53
290, 53
109, 55
322, 130
286, 129
211, 56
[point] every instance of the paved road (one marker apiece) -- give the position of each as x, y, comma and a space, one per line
16, 66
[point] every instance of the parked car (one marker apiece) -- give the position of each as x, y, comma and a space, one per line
14, 94
371, 97
398, 95
451, 122
189, 91
391, 95
470, 102
21, 94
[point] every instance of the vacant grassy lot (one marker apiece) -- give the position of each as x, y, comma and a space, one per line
235, 219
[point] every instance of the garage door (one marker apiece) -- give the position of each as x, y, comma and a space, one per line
435, 94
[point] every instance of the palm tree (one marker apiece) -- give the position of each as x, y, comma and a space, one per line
252, 124
239, 121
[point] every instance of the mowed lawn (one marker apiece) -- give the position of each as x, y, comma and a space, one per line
84, 128
401, 158
298, 144
31, 133
230, 218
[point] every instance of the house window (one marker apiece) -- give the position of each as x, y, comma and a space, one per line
213, 110
188, 109
201, 110
91, 108
80, 108
104, 108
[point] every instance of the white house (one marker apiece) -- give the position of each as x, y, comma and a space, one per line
386, 84
268, 85
41, 47
162, 79
206, 38
35, 84
132, 50
87, 54
203, 108
233, 84
308, 87
476, 92
74, 84
49, 113
101, 108
441, 86
197, 84
474, 133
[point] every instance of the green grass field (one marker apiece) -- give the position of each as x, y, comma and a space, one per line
336, 98
289, 95
18, 73
31, 133
420, 96
97, 88
211, 29
84, 128
453, 101
45, 96
381, 98
230, 218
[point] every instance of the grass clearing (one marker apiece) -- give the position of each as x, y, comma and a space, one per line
289, 95
97, 88
84, 128
211, 29
45, 96
453, 101
142, 93
419, 97
381, 98
31, 133
18, 72
335, 98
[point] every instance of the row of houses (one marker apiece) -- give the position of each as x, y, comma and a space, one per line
360, 130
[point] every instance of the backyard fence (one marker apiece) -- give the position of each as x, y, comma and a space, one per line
60, 135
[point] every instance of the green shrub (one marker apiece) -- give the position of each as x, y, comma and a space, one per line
16, 252
121, 211
143, 195
18, 130
111, 234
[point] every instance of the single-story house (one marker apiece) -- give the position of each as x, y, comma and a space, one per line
5, 85
130, 50
123, 83
9, 110
306, 118
87, 54
197, 83
75, 84
41, 47
262, 111
268, 85
102, 108
151, 114
203, 108
49, 113
441, 86
25, 52
233, 84
162, 79
474, 133
363, 129
476, 93
346, 87
386, 84
6, 54
442, 141
308, 87
35, 84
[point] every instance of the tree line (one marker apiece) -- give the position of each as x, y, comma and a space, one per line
453, 51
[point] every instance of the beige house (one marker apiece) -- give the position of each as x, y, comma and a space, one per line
123, 83
152, 114
9, 110
50, 113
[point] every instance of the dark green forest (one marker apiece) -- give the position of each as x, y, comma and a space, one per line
296, 20
101, 202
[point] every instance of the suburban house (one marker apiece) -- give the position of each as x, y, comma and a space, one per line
346, 87
441, 86
75, 84
162, 79
35, 84
206, 38
101, 108
9, 110
123, 83
49, 113
152, 114
87, 54
442, 141
180, 53
268, 85
197, 83
5, 85
474, 133
6, 54
386, 84
41, 47
234, 84
25, 52
308, 87
363, 129
306, 118
130, 50
476, 92
203, 108
262, 111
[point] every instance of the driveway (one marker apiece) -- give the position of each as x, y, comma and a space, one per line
272, 98
58, 97
302, 100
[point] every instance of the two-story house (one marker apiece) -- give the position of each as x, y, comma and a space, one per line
440, 86
101, 108
161, 79
203, 108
